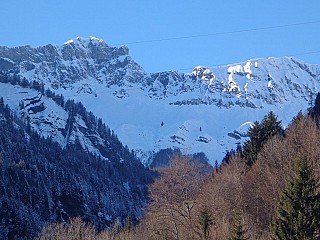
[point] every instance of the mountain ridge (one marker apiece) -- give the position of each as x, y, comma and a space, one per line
208, 110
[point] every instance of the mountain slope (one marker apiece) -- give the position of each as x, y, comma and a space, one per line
208, 110
41, 182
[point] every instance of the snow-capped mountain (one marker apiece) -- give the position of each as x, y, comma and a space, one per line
208, 110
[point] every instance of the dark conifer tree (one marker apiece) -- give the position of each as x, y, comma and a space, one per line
252, 146
297, 118
270, 126
237, 230
315, 110
216, 166
205, 222
239, 150
226, 158
259, 134
298, 211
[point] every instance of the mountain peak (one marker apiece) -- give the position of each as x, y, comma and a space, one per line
86, 42
91, 47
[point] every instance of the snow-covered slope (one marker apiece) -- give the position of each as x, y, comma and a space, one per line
208, 110
51, 120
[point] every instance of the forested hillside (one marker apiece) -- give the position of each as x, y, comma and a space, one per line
41, 183
268, 190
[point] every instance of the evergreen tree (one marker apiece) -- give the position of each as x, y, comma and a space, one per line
298, 211
226, 158
239, 150
315, 110
252, 146
270, 126
216, 166
259, 134
237, 230
205, 223
297, 118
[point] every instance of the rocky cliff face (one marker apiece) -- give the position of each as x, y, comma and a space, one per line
207, 110
76, 60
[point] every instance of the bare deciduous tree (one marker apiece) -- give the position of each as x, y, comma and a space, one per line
173, 194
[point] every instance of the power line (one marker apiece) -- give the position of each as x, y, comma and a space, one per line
305, 53
231, 64
217, 33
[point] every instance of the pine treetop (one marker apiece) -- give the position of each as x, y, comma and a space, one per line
298, 211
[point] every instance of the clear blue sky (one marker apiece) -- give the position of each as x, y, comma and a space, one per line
39, 22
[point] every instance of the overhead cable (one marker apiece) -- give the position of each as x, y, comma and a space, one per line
217, 33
